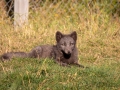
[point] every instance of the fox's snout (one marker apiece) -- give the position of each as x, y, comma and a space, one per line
68, 51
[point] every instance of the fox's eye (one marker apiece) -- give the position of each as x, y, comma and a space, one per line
62, 44
71, 43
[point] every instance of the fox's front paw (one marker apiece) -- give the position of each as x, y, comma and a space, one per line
79, 65
65, 64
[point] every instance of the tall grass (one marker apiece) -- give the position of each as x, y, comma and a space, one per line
98, 44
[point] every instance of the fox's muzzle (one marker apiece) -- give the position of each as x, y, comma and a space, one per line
67, 50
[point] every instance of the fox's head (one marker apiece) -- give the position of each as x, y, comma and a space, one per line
66, 42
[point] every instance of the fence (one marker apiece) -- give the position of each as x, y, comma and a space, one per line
17, 9
55, 8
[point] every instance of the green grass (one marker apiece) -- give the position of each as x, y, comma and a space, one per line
98, 44
33, 74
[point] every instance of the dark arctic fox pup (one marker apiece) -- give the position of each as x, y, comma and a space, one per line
64, 52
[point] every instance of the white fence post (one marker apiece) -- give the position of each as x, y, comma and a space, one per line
21, 8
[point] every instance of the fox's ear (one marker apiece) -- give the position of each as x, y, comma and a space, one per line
59, 35
74, 35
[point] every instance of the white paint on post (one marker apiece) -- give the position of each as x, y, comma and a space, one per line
21, 8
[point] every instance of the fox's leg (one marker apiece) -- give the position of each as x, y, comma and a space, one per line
79, 65
61, 63
36, 52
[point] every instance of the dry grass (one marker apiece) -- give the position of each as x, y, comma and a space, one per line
98, 32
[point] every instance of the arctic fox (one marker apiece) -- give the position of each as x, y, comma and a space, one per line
64, 52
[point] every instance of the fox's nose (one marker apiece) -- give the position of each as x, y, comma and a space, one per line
68, 52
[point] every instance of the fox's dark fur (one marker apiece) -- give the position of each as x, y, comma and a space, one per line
64, 52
